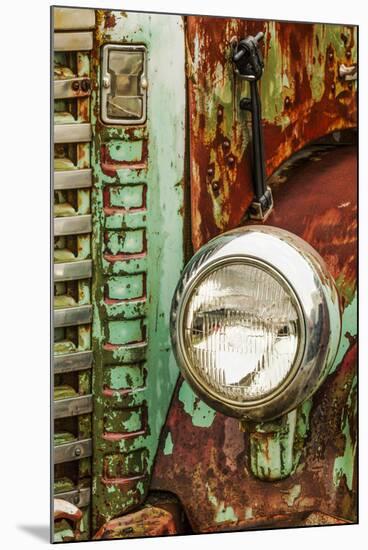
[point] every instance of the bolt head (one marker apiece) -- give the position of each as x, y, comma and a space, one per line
85, 85
75, 85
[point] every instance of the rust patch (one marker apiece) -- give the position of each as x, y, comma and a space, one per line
222, 191
148, 522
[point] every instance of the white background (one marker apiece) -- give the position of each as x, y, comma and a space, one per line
24, 272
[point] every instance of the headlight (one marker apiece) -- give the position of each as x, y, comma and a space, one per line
255, 322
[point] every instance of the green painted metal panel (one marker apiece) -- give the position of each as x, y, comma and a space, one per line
137, 200
125, 151
129, 196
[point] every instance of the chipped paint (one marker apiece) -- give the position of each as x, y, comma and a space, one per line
349, 328
344, 465
201, 414
169, 445
292, 494
223, 513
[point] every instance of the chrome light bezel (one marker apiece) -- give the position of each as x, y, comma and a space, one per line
303, 273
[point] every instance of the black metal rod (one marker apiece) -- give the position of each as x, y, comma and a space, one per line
259, 175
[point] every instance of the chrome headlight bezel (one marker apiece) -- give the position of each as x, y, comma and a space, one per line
303, 273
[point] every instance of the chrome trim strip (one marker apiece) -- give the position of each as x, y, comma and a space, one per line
66, 19
72, 225
72, 88
80, 497
72, 179
72, 133
73, 41
69, 316
72, 451
71, 362
72, 271
73, 406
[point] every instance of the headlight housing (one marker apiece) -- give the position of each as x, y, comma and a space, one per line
255, 322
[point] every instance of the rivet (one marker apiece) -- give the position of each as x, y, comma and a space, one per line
231, 161
287, 101
348, 54
85, 85
75, 85
77, 451
144, 83
215, 186
226, 144
333, 87
330, 56
210, 172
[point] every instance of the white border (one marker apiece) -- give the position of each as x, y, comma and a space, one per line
24, 272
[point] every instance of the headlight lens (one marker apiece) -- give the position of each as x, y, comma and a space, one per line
242, 331
255, 322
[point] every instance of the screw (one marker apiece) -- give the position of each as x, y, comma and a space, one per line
75, 85
85, 85
246, 104
77, 451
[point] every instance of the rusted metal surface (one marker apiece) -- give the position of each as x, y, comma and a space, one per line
148, 522
303, 98
204, 458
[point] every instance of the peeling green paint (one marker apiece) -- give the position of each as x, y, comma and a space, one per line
202, 415
272, 448
344, 465
125, 151
223, 513
169, 445
292, 494
349, 328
